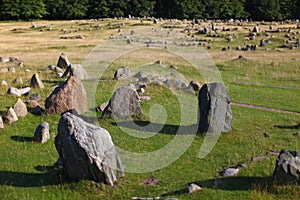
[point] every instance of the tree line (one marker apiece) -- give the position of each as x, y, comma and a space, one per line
181, 9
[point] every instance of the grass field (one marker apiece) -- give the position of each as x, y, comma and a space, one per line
266, 77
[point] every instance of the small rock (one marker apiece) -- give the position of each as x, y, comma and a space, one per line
24, 90
3, 83
1, 123
195, 85
259, 158
18, 80
145, 98
20, 108
122, 73
37, 110
32, 103
41, 133
27, 70
102, 107
12, 70
193, 188
14, 91
36, 97
10, 116
229, 172
36, 81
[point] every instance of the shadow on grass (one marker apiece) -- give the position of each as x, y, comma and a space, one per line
147, 126
288, 127
22, 179
231, 184
21, 138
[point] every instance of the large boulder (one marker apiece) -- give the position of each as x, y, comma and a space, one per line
124, 102
67, 96
287, 170
41, 133
87, 151
63, 61
20, 108
214, 112
10, 116
122, 73
76, 70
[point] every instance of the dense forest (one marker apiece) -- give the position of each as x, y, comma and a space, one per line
180, 9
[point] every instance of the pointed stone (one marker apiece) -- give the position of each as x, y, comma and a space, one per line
36, 82
63, 61
41, 133
18, 80
10, 116
14, 91
3, 83
20, 108
24, 90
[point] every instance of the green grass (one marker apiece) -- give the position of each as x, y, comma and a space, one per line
26, 170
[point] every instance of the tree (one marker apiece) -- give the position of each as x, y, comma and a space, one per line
264, 9
98, 9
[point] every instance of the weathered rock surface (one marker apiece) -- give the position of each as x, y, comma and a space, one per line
63, 61
287, 169
20, 108
87, 151
124, 102
69, 95
122, 73
14, 91
41, 133
214, 112
176, 84
24, 90
76, 70
193, 188
36, 82
10, 116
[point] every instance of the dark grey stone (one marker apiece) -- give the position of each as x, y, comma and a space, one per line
36, 82
287, 169
124, 102
76, 70
122, 73
63, 61
87, 151
214, 112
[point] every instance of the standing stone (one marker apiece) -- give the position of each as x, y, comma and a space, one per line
18, 80
63, 61
76, 70
10, 116
20, 108
41, 133
1, 123
14, 91
124, 102
122, 73
255, 29
193, 188
12, 69
3, 83
87, 151
287, 170
214, 112
262, 43
69, 95
36, 82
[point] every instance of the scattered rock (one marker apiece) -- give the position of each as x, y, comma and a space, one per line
145, 98
18, 80
1, 123
55, 68
63, 61
38, 110
102, 107
69, 95
20, 108
193, 188
195, 85
76, 70
259, 158
41, 133
12, 69
229, 172
3, 70
124, 102
122, 73
255, 29
87, 151
262, 43
214, 112
10, 116
150, 181
24, 90
3, 83
14, 91
36, 82
287, 168
36, 97
32, 103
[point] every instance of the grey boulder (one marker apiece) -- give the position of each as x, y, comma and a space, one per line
14, 91
87, 151
287, 169
41, 133
123, 103
76, 70
10, 116
214, 112
122, 73
20, 108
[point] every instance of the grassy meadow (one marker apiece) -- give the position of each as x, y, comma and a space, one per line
269, 77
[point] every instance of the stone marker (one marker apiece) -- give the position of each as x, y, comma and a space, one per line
10, 116
193, 188
63, 61
124, 102
36, 82
287, 169
24, 90
20, 108
214, 112
3, 83
76, 70
18, 80
87, 151
41, 133
102, 107
67, 96
14, 91
122, 73
229, 172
